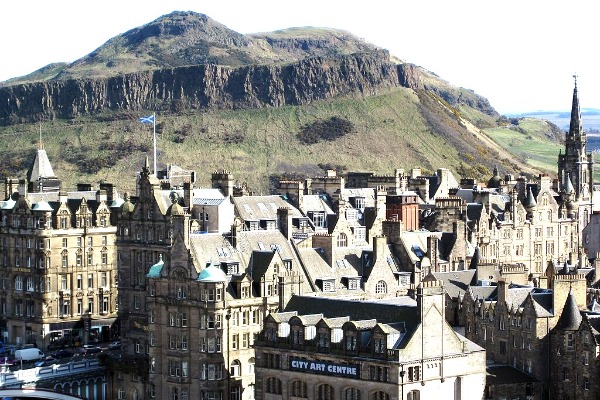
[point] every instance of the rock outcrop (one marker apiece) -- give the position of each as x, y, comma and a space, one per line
208, 87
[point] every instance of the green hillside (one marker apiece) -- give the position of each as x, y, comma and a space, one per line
377, 133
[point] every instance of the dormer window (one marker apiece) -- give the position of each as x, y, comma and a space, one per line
379, 345
328, 285
351, 342
323, 340
297, 336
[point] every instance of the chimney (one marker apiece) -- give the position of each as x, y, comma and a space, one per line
379, 243
22, 187
101, 196
187, 195
62, 197
502, 291
432, 252
109, 188
284, 220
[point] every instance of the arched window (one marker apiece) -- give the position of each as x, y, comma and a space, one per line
342, 240
325, 392
273, 386
352, 393
381, 287
135, 395
121, 394
236, 368
298, 389
379, 395
251, 363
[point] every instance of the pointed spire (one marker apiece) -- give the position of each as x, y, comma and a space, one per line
570, 318
575, 126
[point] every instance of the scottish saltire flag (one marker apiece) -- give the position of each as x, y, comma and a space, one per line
147, 120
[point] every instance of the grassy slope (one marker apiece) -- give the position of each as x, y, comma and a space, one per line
389, 130
530, 142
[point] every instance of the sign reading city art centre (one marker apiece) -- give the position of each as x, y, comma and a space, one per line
325, 368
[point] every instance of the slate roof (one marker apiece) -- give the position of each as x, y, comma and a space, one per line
41, 167
384, 311
506, 375
594, 321
456, 282
256, 208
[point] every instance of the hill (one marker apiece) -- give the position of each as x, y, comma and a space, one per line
291, 103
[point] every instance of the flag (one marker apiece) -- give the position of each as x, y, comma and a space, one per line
147, 120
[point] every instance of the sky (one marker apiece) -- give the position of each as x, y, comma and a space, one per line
520, 55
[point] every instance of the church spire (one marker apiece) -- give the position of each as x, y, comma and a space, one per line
575, 126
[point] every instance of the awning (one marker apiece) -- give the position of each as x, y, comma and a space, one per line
102, 322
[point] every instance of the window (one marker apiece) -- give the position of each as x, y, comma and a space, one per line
236, 368
413, 395
380, 373
565, 374
414, 374
379, 345
352, 393
379, 395
273, 385
299, 389
212, 372
19, 283
351, 342
570, 341
381, 287
121, 394
342, 240
79, 281
325, 392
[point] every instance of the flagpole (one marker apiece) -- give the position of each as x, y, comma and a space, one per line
154, 126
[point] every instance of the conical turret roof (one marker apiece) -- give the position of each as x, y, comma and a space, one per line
530, 200
569, 185
570, 319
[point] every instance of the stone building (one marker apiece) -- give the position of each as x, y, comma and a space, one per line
57, 248
574, 348
513, 323
192, 299
370, 350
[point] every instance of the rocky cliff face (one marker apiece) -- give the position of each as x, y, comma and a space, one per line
208, 86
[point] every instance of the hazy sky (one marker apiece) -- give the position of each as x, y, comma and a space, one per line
520, 55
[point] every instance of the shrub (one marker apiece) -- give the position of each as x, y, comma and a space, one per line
325, 130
